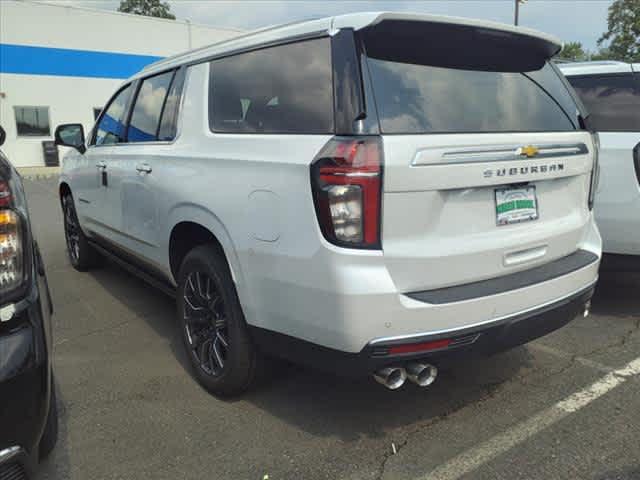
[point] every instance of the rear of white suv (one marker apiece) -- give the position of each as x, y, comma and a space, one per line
611, 94
358, 195
485, 170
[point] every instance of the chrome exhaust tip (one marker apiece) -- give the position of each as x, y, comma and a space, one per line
391, 377
422, 374
587, 309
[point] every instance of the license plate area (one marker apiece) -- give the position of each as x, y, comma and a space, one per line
516, 205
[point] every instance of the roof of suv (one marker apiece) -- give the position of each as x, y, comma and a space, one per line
597, 67
357, 21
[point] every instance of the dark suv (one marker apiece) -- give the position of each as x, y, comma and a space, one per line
28, 414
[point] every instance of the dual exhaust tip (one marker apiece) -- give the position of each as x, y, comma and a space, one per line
422, 374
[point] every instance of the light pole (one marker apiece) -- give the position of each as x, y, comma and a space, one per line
518, 2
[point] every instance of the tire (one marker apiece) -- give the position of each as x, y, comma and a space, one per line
81, 254
213, 328
50, 433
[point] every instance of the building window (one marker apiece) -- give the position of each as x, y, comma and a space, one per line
32, 121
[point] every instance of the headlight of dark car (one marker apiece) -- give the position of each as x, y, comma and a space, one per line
11, 254
14, 234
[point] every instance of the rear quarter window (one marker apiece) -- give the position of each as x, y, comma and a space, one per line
282, 89
415, 98
613, 101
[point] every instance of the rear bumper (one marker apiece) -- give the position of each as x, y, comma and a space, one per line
481, 340
348, 301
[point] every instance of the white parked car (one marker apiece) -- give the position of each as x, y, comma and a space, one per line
611, 93
328, 193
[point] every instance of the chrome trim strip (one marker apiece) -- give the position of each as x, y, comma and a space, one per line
9, 453
494, 153
487, 322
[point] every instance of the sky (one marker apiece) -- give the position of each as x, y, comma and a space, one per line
570, 20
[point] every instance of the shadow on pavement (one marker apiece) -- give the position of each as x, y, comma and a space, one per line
57, 465
323, 404
617, 293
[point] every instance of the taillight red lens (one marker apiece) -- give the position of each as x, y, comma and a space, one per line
346, 178
5, 194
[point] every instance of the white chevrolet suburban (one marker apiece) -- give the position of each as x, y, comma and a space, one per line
373, 193
611, 93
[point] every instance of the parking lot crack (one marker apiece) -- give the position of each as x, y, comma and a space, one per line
575, 359
618, 343
492, 389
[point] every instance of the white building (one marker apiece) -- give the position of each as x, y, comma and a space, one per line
61, 64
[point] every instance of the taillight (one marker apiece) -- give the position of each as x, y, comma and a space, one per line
346, 179
595, 173
5, 194
11, 254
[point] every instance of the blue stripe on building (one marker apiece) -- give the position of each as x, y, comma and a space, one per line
28, 60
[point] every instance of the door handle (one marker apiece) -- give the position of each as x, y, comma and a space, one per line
102, 168
144, 168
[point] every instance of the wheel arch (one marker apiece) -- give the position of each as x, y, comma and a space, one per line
193, 226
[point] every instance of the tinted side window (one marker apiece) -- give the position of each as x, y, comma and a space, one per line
413, 98
613, 101
169, 122
283, 89
145, 117
110, 128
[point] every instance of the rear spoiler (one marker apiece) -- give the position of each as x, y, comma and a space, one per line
469, 44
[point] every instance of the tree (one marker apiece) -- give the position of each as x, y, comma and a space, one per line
602, 54
623, 32
573, 51
149, 8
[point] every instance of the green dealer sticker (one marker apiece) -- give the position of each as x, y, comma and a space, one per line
515, 205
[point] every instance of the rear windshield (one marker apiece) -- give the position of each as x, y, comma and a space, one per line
417, 98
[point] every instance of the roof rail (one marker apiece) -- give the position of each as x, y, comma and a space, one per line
228, 40
590, 62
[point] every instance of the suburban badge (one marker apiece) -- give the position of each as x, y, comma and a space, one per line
524, 170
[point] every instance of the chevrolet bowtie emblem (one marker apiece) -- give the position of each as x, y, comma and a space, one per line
529, 151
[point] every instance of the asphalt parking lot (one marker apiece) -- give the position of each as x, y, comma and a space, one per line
563, 407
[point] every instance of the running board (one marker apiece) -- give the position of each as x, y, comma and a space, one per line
141, 273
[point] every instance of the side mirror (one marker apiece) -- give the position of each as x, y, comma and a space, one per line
70, 135
3, 136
